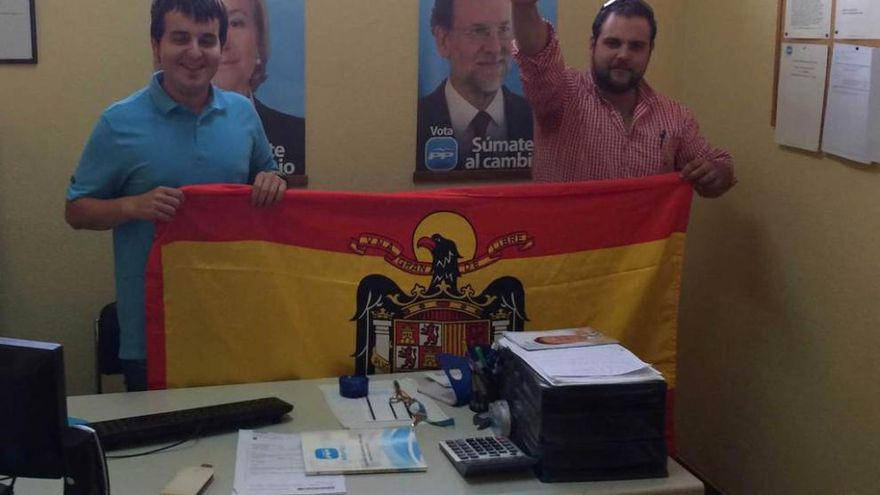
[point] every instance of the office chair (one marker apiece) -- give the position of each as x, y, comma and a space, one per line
106, 344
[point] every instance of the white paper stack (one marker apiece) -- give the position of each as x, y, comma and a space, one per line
558, 339
596, 364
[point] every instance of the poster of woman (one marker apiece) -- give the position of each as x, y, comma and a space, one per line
264, 59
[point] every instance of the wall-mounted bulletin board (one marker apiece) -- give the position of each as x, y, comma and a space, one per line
827, 96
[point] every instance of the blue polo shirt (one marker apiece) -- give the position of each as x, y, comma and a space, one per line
148, 140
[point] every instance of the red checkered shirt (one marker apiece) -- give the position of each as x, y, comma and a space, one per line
581, 136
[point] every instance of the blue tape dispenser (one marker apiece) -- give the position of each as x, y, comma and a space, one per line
354, 386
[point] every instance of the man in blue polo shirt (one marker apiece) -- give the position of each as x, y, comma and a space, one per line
179, 130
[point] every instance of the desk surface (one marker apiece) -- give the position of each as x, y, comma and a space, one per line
147, 475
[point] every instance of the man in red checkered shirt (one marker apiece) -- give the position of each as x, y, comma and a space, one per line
608, 123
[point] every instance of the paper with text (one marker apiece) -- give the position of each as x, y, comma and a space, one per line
807, 19
857, 19
801, 93
605, 364
273, 464
848, 118
603, 360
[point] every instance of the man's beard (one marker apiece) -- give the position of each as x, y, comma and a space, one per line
602, 78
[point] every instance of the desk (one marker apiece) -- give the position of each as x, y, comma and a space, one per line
147, 475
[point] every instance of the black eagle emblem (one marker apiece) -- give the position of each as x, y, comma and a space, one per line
382, 304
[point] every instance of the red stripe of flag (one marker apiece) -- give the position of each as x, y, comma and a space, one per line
556, 216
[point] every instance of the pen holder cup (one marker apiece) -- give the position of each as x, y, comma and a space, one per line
484, 388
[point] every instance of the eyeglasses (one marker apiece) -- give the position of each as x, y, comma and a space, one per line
482, 32
414, 408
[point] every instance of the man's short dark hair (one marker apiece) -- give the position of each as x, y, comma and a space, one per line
441, 14
198, 10
625, 8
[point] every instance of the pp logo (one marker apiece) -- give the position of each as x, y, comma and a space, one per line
326, 453
441, 153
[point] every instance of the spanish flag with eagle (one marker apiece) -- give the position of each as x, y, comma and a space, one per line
333, 283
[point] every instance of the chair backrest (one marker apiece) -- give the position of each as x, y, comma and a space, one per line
107, 336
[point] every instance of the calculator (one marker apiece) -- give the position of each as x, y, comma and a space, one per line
483, 455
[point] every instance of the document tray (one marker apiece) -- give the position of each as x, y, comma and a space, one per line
586, 432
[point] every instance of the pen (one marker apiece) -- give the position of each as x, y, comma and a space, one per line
479, 352
662, 137
370, 405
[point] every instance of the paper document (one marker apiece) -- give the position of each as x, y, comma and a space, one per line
273, 464
857, 19
559, 339
802, 70
808, 19
603, 364
362, 451
606, 360
437, 386
375, 410
440, 377
849, 120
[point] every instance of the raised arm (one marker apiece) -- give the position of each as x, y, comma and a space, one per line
546, 82
529, 29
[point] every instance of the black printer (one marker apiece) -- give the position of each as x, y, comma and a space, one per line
585, 432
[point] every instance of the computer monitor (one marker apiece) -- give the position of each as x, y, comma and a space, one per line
33, 409
35, 440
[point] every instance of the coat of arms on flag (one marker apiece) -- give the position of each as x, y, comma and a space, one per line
400, 330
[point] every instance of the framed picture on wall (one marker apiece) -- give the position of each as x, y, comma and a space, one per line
18, 32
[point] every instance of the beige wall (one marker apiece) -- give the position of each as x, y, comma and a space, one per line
780, 327
779, 320
53, 280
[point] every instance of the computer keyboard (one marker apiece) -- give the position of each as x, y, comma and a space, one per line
189, 423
